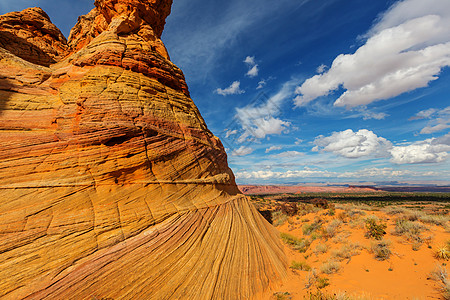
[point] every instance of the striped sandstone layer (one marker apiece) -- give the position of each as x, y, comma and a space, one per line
111, 184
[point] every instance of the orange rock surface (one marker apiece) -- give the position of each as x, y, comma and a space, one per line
111, 184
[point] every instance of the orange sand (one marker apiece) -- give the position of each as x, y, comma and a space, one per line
403, 276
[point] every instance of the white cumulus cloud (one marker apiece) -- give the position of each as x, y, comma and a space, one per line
233, 89
433, 150
351, 144
404, 51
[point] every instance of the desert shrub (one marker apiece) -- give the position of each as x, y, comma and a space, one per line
300, 265
331, 211
306, 208
316, 235
330, 267
321, 203
311, 279
440, 220
381, 249
288, 208
346, 251
343, 216
314, 279
322, 282
375, 229
412, 231
300, 245
310, 228
332, 228
442, 252
320, 248
408, 228
279, 218
319, 295
394, 210
356, 213
282, 296
341, 237
440, 274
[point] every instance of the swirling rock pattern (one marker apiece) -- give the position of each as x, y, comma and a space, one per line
111, 185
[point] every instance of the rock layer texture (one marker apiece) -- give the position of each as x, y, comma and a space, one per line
111, 185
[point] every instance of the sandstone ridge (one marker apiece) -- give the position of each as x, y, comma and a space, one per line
111, 184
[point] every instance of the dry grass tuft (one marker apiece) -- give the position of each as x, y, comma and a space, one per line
346, 251
320, 249
300, 265
381, 249
330, 267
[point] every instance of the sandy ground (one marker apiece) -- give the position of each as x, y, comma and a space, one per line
405, 275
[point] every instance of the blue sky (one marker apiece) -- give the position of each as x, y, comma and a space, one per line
313, 90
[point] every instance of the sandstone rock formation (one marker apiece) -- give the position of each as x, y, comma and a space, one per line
111, 185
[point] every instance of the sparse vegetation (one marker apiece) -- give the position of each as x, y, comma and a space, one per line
346, 251
322, 282
300, 265
411, 230
320, 248
310, 228
332, 228
282, 296
320, 295
381, 249
330, 267
279, 218
336, 230
299, 244
440, 275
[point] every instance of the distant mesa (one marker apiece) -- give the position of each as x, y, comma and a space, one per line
111, 184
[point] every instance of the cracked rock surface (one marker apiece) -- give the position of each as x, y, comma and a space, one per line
111, 184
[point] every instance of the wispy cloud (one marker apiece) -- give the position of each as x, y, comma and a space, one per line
233, 89
321, 68
261, 119
404, 51
439, 120
288, 154
253, 70
242, 151
197, 46
273, 148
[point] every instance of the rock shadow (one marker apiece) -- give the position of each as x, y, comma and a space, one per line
24, 49
5, 85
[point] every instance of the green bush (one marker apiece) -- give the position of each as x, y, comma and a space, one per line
374, 229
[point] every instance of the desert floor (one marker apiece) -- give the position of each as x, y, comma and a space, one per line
332, 254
